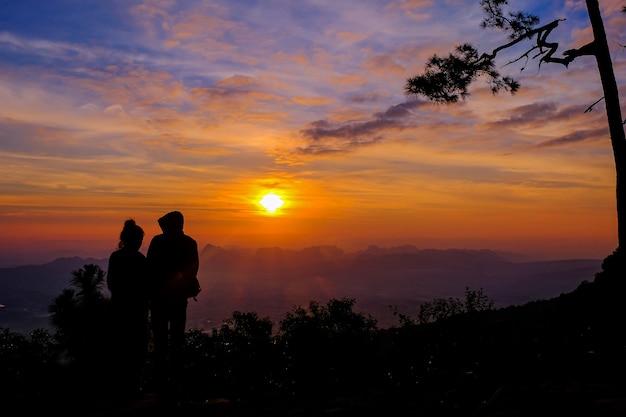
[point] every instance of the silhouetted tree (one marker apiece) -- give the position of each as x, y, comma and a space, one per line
30, 370
327, 347
442, 308
80, 316
245, 352
476, 301
446, 79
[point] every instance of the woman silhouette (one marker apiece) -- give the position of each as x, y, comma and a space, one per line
127, 282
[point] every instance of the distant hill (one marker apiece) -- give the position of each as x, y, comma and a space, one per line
271, 281
27, 291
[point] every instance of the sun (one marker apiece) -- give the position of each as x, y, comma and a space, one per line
271, 202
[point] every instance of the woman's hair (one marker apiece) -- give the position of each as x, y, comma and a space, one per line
131, 235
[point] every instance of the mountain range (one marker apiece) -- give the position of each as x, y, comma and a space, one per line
272, 281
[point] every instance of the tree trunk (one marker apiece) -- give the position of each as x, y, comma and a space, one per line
614, 115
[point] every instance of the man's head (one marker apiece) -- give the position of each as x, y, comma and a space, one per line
172, 222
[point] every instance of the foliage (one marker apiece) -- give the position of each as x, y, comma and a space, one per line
27, 362
80, 315
518, 23
476, 300
327, 347
245, 329
244, 353
442, 308
446, 79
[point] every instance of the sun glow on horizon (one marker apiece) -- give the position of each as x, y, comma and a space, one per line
271, 202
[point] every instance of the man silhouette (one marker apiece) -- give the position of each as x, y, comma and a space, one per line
171, 255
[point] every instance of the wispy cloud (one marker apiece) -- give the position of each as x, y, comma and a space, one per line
578, 136
323, 136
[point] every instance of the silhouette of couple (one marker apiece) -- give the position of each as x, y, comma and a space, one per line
139, 287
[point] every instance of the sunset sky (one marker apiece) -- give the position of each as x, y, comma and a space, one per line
129, 109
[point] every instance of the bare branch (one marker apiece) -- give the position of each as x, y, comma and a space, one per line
524, 55
542, 35
588, 109
588, 49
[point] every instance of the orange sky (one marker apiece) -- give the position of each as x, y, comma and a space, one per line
203, 107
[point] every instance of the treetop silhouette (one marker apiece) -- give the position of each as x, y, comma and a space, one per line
446, 79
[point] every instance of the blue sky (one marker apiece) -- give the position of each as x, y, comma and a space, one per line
119, 109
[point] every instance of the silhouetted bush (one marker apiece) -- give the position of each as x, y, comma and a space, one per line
327, 348
29, 366
443, 308
245, 355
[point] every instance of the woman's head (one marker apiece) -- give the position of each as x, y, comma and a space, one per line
131, 236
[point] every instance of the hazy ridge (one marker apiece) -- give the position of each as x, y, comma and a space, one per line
271, 281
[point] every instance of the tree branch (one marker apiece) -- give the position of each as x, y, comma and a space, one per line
446, 79
588, 109
589, 49
547, 49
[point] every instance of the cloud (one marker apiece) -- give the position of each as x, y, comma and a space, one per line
574, 137
412, 8
313, 101
324, 136
351, 37
45, 48
369, 96
541, 113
